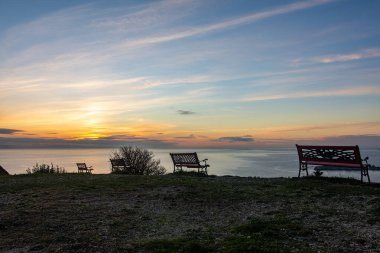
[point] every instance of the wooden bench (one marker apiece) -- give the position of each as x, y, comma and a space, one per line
335, 156
82, 168
118, 165
189, 160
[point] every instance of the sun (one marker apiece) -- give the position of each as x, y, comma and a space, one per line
93, 136
92, 118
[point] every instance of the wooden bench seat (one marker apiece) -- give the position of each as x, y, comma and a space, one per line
188, 160
335, 156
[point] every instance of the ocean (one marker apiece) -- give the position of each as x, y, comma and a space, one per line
279, 162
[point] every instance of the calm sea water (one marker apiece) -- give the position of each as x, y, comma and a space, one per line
256, 162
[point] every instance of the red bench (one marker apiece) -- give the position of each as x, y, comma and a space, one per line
336, 156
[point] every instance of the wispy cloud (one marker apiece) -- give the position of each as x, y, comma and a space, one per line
231, 139
191, 136
60, 53
107, 142
234, 22
81, 50
145, 15
363, 140
183, 112
9, 131
370, 140
353, 91
363, 54
331, 126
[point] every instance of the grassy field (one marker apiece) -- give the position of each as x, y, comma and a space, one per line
184, 213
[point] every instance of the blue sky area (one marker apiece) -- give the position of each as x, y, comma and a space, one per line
235, 74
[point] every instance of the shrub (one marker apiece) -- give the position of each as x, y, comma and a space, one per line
45, 168
318, 173
139, 161
3, 171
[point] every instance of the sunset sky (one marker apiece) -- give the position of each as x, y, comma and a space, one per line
189, 73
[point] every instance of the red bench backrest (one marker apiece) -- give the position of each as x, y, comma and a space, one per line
347, 156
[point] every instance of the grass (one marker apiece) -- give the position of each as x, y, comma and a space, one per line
187, 213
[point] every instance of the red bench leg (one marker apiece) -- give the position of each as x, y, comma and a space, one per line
364, 172
303, 166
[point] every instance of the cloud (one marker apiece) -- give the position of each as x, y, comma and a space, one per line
353, 91
363, 141
106, 142
191, 136
360, 125
246, 138
144, 15
234, 22
58, 56
370, 140
9, 131
182, 112
363, 54
81, 49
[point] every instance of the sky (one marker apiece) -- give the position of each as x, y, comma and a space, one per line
189, 73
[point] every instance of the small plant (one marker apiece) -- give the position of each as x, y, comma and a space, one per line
138, 161
318, 173
45, 168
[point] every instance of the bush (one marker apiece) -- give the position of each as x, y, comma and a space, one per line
3, 171
318, 173
45, 168
139, 161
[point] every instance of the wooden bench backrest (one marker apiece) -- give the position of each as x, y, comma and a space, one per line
82, 166
185, 158
118, 163
345, 156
